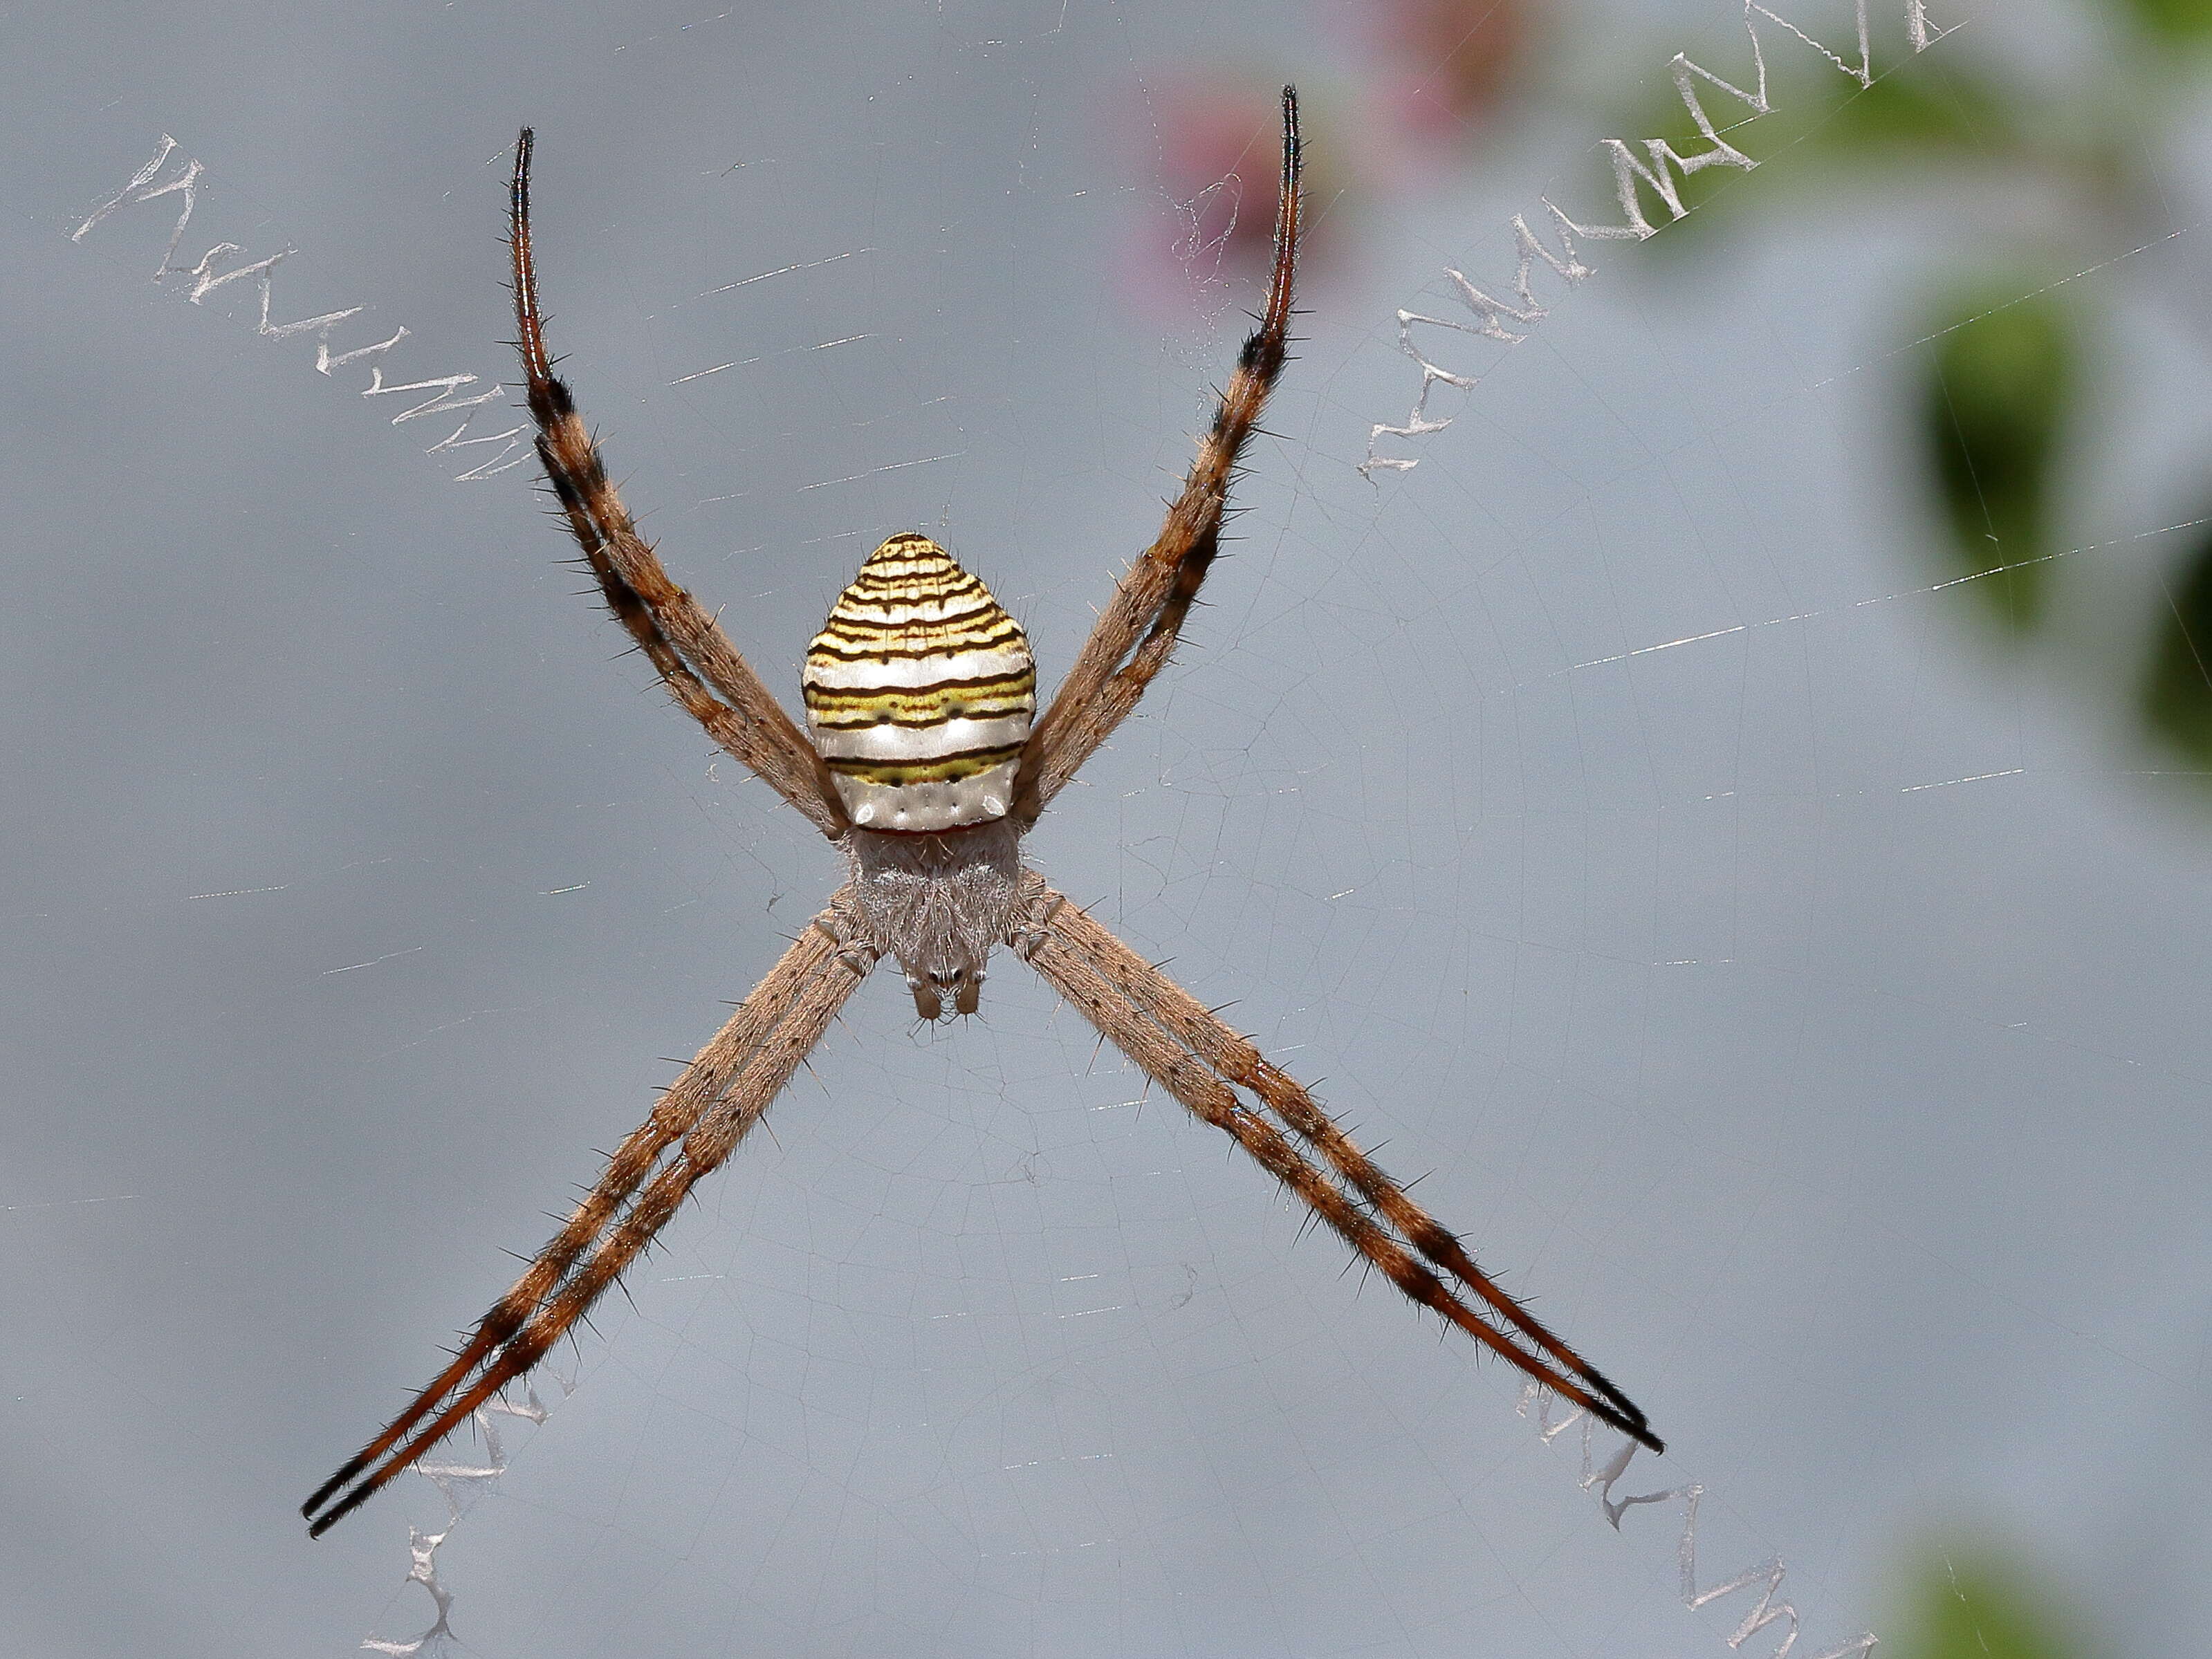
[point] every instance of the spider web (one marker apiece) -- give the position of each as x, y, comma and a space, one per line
1614, 815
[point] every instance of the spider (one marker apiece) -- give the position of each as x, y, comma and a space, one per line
926, 767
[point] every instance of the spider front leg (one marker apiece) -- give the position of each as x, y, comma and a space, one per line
843, 924
1165, 1030
1137, 632
1033, 913
720, 1095
1232, 1056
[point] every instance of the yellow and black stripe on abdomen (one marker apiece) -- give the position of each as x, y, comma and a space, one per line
1004, 697
943, 769
850, 638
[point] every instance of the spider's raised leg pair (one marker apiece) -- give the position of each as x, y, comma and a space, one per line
922, 764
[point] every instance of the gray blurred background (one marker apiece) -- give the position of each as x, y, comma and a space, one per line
1809, 1016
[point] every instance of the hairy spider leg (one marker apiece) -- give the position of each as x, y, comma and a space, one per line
674, 630
1125, 999
720, 1095
1138, 630
1158, 998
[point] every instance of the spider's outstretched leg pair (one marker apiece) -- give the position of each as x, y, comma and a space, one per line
684, 642
1141, 625
920, 691
695, 1125
1201, 1062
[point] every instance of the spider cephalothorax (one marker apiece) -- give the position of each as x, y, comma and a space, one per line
925, 769
939, 902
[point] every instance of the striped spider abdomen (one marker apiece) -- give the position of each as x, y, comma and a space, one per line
920, 691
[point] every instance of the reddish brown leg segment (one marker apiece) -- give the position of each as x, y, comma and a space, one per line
720, 1095
1137, 632
684, 643
1168, 1034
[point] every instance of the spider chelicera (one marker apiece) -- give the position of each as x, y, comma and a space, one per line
926, 768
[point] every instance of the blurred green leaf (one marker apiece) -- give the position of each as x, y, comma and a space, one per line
2182, 22
1823, 130
1976, 1608
1993, 411
2177, 688
1932, 108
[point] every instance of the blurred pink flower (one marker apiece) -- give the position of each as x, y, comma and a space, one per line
1414, 81
1448, 65
1220, 155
